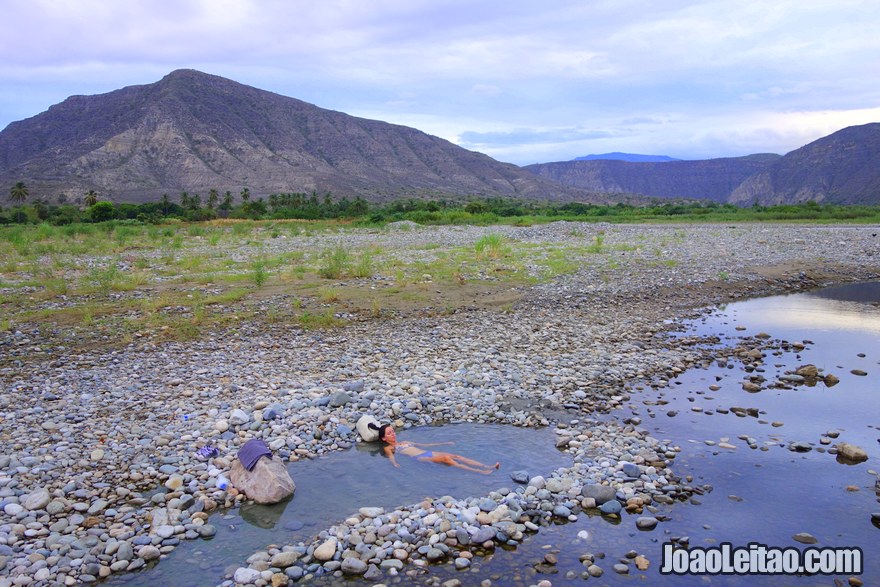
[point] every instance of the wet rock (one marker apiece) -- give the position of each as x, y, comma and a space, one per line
831, 380
804, 538
285, 559
353, 566
611, 507
809, 371
646, 523
600, 493
520, 477
326, 550
246, 575
851, 452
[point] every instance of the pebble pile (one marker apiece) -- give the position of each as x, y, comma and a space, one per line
99, 472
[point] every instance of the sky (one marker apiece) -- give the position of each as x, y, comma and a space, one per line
522, 81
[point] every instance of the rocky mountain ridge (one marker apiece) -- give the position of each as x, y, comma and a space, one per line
193, 132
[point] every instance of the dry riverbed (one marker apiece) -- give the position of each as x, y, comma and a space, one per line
113, 382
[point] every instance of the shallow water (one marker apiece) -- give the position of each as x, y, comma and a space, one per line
763, 496
331, 488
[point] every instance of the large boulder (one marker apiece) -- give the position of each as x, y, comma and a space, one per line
367, 433
268, 482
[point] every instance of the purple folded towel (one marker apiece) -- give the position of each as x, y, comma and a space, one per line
251, 452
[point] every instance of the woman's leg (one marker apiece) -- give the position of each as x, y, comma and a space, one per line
453, 461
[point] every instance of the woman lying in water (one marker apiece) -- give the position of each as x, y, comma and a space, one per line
411, 449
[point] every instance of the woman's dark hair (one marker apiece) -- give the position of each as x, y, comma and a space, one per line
380, 429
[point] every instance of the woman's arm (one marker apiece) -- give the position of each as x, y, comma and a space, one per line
389, 452
431, 443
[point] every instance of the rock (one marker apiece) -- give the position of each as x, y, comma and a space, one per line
594, 571
149, 552
247, 575
859, 372
631, 470
484, 534
284, 559
611, 507
238, 417
601, 493
373, 573
646, 523
804, 538
353, 566
435, 554
268, 482
37, 500
642, 563
371, 512
339, 399
751, 387
367, 434
354, 386
621, 569
852, 452
520, 477
831, 380
325, 551
809, 371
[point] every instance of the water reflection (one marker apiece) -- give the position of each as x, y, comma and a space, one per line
848, 308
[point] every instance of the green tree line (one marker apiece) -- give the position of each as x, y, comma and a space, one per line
195, 208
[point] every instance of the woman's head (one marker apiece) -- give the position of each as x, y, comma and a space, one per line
386, 432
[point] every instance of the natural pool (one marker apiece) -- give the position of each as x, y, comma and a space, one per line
765, 494
332, 488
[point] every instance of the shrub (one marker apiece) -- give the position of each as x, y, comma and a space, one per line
335, 263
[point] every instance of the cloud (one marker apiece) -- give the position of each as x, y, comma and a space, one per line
516, 79
526, 136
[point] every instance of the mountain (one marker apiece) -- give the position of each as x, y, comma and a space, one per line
192, 132
631, 157
842, 168
712, 179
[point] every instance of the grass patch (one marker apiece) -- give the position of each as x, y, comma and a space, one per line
319, 320
492, 246
334, 263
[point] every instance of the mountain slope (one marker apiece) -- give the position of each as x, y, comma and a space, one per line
712, 179
842, 168
193, 131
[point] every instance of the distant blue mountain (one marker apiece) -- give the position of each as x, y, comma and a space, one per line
631, 157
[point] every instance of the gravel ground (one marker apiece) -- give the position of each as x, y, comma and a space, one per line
87, 437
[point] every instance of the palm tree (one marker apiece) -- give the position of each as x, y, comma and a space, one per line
18, 193
91, 198
245, 195
166, 204
213, 198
